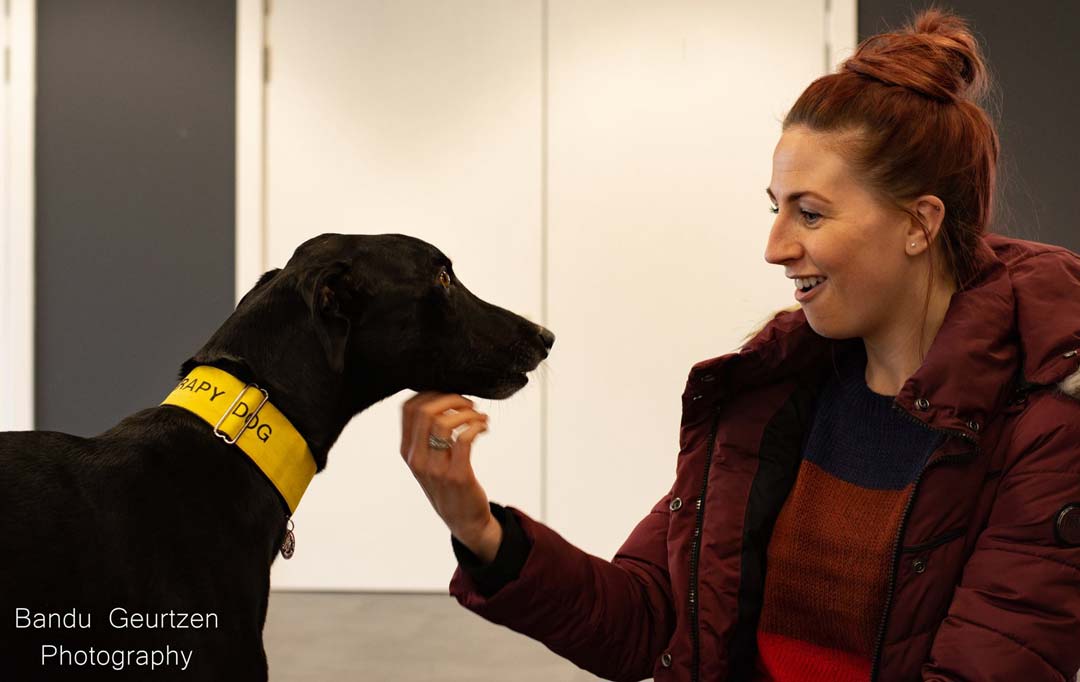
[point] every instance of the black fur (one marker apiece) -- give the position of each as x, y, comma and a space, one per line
158, 515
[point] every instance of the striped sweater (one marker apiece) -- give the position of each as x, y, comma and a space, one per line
829, 557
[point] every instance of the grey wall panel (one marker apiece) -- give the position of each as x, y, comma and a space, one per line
135, 165
1033, 58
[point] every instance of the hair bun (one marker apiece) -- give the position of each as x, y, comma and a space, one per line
935, 55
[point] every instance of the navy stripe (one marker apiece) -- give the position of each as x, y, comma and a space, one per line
859, 438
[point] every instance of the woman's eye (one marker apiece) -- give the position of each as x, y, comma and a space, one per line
444, 279
808, 216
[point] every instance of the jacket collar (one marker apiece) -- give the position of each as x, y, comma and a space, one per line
1018, 320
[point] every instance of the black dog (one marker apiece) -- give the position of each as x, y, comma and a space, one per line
145, 552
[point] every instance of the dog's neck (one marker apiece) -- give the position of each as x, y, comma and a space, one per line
316, 420
318, 401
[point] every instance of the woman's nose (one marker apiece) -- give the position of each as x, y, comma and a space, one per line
780, 248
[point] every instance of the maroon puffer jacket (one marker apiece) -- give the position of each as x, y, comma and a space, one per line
986, 569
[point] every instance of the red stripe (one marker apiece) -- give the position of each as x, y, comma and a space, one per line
782, 659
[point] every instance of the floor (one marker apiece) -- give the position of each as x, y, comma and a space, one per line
339, 637
333, 637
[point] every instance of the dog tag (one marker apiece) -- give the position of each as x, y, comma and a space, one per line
288, 545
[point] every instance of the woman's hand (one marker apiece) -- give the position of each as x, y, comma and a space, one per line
447, 475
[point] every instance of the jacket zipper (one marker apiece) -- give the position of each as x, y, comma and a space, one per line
876, 667
695, 553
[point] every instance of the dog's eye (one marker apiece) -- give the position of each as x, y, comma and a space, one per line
444, 279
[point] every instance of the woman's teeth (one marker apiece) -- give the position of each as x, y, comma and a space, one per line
808, 284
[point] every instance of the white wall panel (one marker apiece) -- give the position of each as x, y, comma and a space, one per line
663, 118
421, 118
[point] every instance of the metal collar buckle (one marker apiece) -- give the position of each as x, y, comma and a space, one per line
247, 420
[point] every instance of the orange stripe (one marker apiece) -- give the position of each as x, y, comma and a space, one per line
828, 561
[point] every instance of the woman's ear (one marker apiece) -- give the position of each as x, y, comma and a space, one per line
931, 212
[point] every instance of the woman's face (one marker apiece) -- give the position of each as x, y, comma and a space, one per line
827, 224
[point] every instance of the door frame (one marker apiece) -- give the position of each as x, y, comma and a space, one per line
17, 187
251, 82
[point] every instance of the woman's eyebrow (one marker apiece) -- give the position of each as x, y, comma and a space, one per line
794, 196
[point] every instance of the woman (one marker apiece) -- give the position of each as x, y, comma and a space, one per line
902, 452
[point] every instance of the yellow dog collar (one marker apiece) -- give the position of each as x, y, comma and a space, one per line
242, 414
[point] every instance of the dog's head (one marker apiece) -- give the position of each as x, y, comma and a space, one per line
390, 310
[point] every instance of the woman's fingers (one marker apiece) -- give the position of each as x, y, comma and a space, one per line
461, 457
436, 415
448, 422
418, 413
444, 426
408, 415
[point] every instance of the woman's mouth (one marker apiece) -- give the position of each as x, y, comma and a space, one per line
808, 288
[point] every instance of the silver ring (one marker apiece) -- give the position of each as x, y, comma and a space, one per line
436, 443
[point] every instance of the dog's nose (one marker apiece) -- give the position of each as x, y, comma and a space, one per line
547, 337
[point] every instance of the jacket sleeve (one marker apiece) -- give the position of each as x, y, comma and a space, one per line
610, 618
1016, 613
506, 566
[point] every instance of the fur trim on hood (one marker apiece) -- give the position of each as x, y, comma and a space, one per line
1070, 385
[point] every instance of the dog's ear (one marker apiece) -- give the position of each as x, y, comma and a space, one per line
266, 277
328, 292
